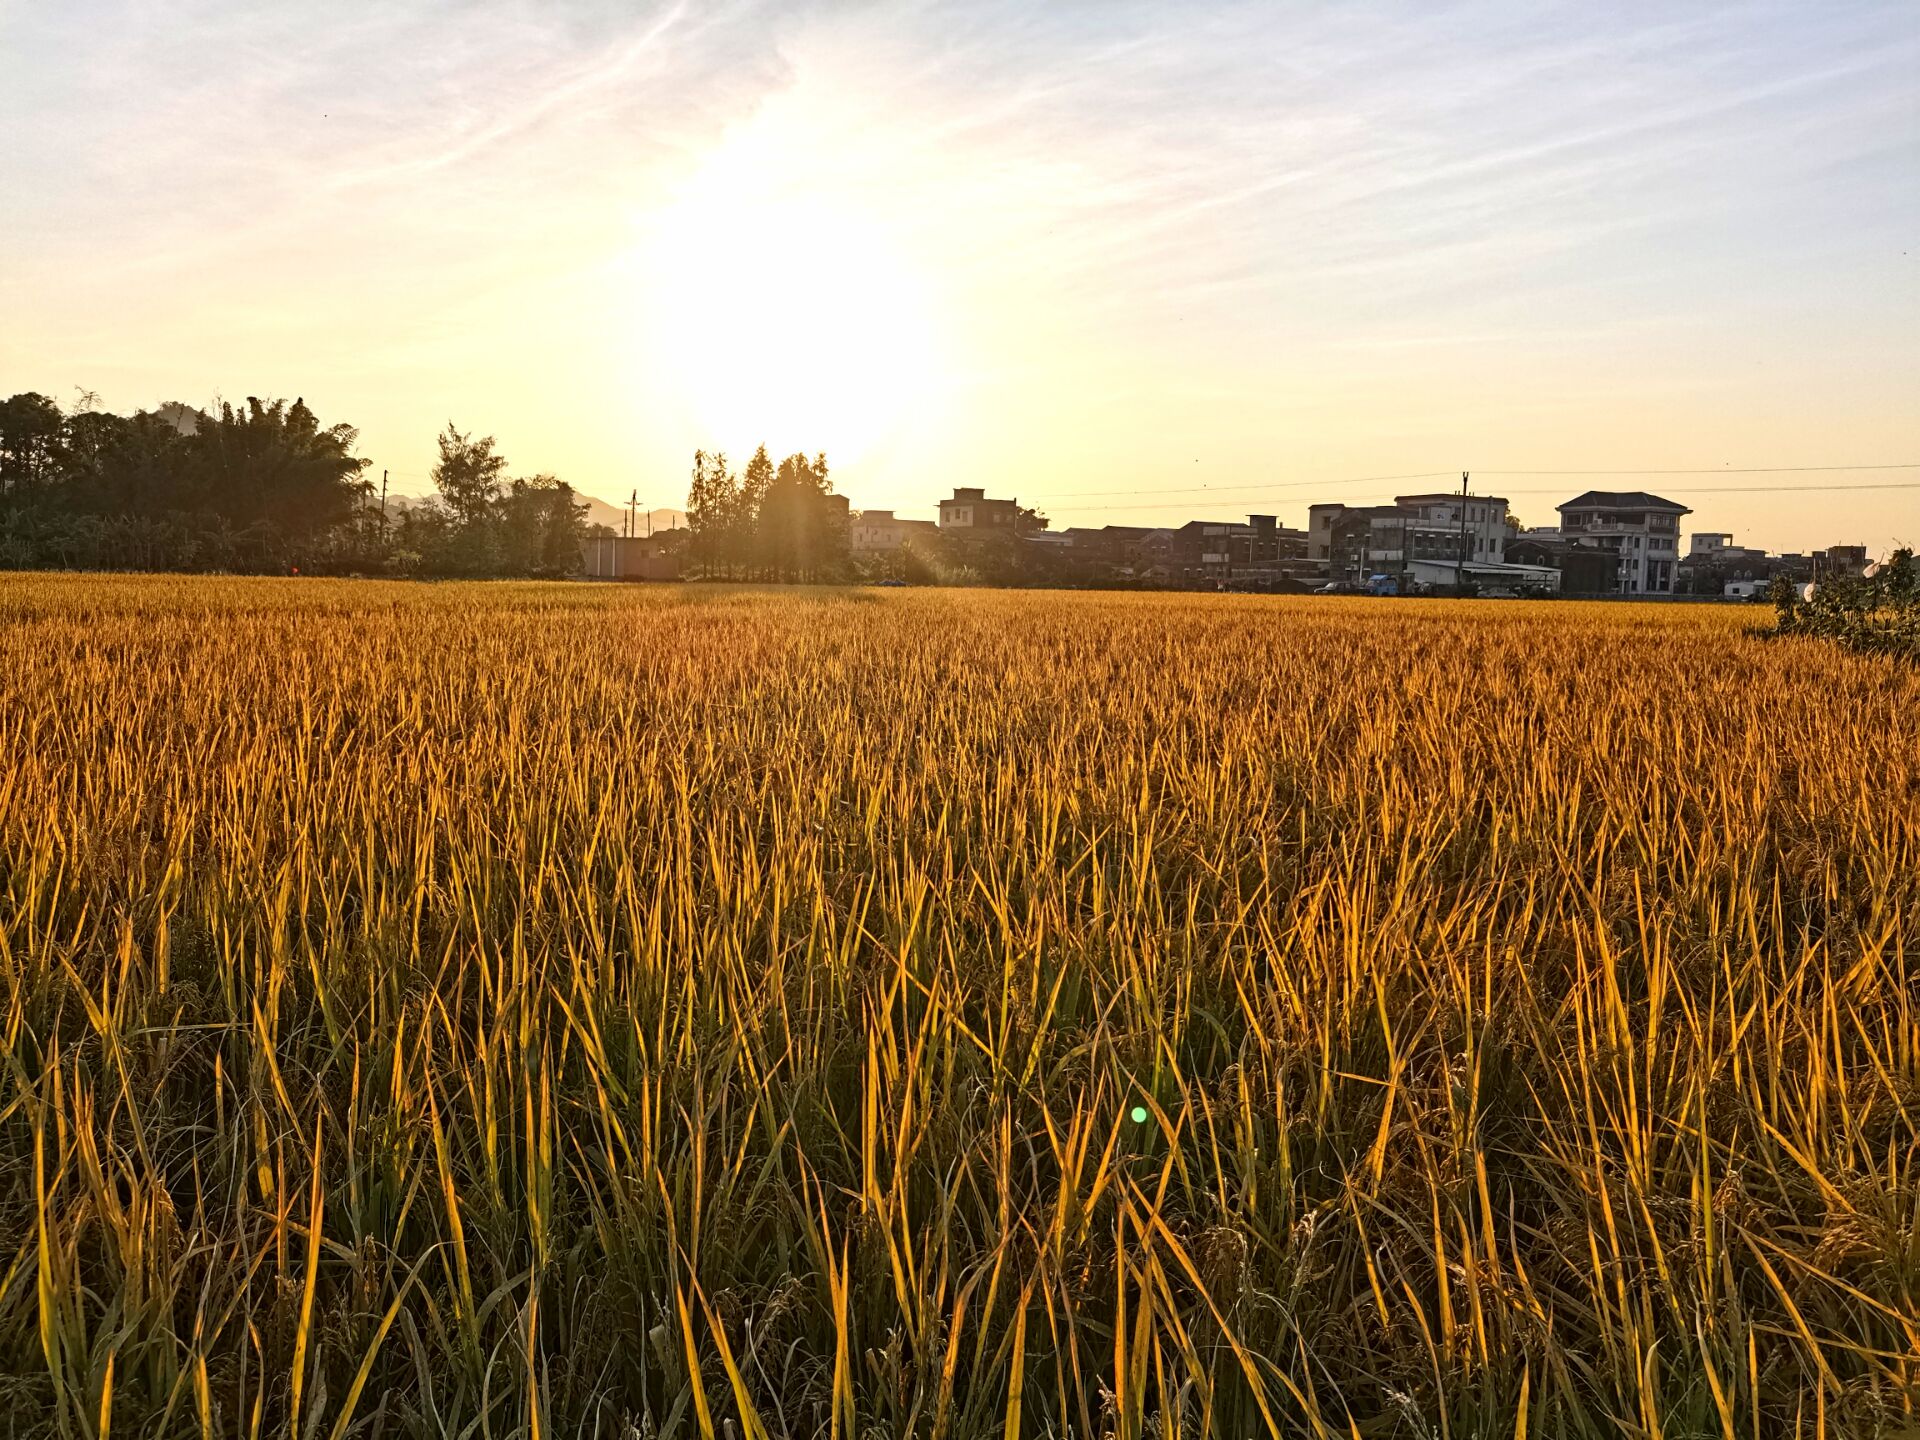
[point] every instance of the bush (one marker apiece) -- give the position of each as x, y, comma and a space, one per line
1878, 612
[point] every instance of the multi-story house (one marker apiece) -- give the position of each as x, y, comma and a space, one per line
1229, 552
1104, 554
971, 514
1355, 541
1435, 528
1342, 537
1641, 532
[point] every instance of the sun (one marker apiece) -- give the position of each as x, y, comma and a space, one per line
783, 312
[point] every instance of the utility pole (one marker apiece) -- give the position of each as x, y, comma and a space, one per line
633, 513
1460, 565
383, 497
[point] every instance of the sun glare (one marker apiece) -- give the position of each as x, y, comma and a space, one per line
785, 313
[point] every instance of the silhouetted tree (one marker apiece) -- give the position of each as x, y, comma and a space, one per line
540, 527
749, 515
32, 432
178, 489
803, 530
273, 464
712, 504
468, 476
259, 486
770, 522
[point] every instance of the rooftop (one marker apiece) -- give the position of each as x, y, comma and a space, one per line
1440, 496
1621, 500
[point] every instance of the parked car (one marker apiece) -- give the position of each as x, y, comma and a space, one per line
1499, 592
1341, 587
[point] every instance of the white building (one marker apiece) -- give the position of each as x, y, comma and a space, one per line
1438, 519
1358, 540
1713, 545
1641, 531
1487, 575
881, 532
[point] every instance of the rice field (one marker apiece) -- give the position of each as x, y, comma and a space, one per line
515, 1009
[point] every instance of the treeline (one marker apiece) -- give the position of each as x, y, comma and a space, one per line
768, 522
263, 487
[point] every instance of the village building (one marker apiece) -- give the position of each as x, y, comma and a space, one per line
972, 512
1640, 531
633, 557
1433, 532
881, 532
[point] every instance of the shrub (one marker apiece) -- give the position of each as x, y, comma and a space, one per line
1878, 612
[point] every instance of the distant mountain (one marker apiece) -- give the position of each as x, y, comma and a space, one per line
183, 418
599, 512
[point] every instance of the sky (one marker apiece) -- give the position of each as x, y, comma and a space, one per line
1131, 263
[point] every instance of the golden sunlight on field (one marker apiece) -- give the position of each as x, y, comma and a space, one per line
692, 1012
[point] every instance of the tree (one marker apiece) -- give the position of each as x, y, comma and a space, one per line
779, 521
749, 536
272, 464
259, 487
89, 429
31, 432
712, 505
243, 487
540, 524
804, 533
564, 529
468, 476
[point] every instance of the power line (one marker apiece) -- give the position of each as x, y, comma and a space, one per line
1076, 509
1243, 491
1720, 470
1561, 490
1103, 509
1761, 489
1261, 489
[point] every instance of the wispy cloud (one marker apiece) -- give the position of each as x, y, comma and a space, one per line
1117, 199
